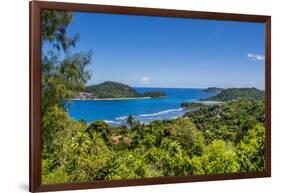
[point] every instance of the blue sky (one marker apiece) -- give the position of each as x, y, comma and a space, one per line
171, 52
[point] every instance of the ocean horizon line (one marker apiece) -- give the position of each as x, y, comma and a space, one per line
199, 88
169, 87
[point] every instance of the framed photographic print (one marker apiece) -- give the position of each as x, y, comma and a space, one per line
123, 96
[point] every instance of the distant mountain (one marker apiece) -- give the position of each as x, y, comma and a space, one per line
213, 89
235, 93
110, 89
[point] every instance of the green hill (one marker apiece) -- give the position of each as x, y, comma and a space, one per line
110, 89
235, 93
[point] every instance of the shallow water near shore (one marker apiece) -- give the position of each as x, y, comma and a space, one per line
115, 112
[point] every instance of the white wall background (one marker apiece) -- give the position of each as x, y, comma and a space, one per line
14, 95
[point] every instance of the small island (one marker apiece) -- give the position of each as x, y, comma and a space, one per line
115, 90
154, 94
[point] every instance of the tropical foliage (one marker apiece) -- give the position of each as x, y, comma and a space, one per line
184, 146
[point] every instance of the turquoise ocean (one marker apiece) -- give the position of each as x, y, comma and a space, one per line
116, 111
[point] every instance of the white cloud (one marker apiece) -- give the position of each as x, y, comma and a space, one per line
145, 80
256, 56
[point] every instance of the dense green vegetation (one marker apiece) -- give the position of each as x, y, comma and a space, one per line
213, 139
236, 93
110, 89
228, 121
213, 89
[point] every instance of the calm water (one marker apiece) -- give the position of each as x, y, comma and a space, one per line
116, 111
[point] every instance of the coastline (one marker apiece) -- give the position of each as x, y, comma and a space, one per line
172, 110
99, 99
147, 118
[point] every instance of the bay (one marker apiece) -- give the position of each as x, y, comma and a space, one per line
116, 111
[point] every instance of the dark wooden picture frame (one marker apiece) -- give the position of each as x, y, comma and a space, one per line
35, 93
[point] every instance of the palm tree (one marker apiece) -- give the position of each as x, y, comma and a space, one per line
131, 120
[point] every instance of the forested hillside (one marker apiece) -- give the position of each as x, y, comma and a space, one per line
236, 93
111, 89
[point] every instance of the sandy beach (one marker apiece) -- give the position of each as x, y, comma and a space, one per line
129, 98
